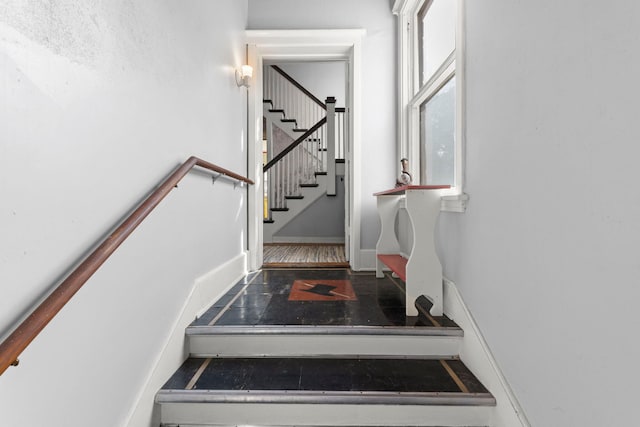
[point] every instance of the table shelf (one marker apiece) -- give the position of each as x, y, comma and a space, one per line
396, 263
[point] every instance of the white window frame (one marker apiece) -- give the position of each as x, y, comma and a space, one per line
411, 96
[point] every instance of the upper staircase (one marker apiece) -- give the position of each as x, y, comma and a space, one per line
305, 143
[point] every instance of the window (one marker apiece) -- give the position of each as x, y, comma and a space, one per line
430, 101
437, 136
436, 35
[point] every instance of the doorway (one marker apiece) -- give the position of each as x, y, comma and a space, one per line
301, 46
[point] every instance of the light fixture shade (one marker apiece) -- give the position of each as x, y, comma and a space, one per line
247, 71
243, 76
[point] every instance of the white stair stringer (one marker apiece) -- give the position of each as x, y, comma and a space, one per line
295, 206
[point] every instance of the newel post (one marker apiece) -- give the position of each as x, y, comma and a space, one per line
331, 146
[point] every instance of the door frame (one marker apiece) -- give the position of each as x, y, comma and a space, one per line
304, 45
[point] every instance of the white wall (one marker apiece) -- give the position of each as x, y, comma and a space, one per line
99, 101
378, 81
546, 255
321, 78
324, 218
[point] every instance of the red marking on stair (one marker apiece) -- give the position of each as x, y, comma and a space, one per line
322, 290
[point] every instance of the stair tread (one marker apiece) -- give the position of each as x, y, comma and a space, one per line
415, 377
380, 303
279, 209
309, 185
294, 197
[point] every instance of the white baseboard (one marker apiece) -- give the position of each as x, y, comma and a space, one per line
310, 239
206, 289
367, 260
475, 353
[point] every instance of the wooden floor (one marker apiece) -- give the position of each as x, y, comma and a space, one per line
304, 255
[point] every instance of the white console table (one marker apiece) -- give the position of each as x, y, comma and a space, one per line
422, 271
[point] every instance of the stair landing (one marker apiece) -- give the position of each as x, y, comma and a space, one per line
264, 298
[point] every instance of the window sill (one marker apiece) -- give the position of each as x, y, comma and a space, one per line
454, 203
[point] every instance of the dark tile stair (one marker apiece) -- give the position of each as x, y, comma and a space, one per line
260, 358
381, 381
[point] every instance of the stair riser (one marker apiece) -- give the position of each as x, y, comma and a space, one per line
267, 414
321, 345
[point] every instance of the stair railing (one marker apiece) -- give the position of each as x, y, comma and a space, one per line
341, 132
292, 98
311, 154
315, 152
295, 166
26, 332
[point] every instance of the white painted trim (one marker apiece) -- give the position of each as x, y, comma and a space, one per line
312, 37
436, 82
255, 193
307, 239
368, 260
461, 100
354, 157
309, 44
305, 414
323, 345
206, 289
455, 203
475, 353
399, 6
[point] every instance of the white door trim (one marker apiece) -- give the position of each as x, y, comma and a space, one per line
300, 45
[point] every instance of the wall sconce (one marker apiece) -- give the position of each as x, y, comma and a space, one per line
243, 76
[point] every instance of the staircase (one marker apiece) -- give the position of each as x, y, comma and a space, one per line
304, 168
259, 358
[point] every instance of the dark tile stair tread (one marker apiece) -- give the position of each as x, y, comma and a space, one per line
384, 375
309, 185
279, 209
294, 197
424, 306
380, 305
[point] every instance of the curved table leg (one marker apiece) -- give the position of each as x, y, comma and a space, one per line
387, 242
424, 271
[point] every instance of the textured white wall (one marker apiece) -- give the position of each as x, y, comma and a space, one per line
99, 101
378, 81
546, 255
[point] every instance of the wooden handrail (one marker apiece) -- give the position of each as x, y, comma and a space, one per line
299, 86
26, 332
294, 144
